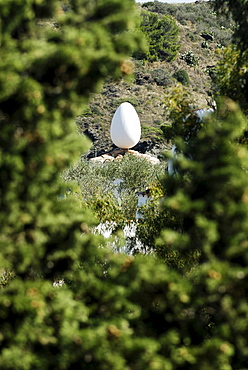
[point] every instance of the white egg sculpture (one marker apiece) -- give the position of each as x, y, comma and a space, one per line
125, 130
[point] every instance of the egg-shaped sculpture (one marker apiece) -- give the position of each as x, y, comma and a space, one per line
125, 130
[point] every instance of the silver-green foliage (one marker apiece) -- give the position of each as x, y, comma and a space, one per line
114, 200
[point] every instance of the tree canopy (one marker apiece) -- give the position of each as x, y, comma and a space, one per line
162, 36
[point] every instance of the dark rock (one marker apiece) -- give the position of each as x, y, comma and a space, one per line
207, 37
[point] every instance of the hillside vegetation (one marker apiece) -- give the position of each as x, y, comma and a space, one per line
202, 37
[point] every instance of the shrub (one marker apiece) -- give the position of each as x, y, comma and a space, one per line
190, 58
162, 37
192, 36
161, 77
96, 185
182, 77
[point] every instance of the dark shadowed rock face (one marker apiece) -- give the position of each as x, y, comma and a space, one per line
207, 36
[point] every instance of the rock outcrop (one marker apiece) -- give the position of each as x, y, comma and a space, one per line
118, 154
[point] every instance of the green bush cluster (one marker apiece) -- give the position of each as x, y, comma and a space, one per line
202, 15
182, 76
162, 37
159, 76
195, 13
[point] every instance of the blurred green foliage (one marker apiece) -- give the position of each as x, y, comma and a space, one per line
182, 123
237, 9
231, 77
111, 311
